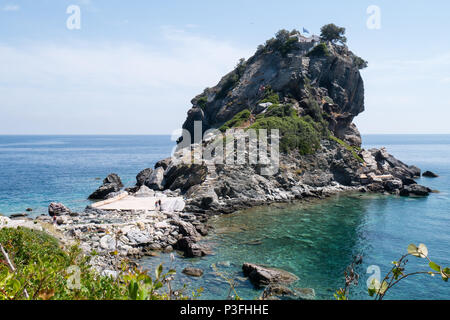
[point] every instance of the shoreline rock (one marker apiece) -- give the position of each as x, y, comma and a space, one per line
263, 276
111, 184
430, 174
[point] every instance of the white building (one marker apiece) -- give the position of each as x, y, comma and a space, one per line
302, 38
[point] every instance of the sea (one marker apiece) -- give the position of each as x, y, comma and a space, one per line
314, 240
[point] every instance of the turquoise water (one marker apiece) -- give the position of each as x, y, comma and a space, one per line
315, 241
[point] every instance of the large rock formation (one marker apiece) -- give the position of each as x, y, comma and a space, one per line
332, 80
311, 92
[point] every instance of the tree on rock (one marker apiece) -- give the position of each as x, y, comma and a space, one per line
333, 33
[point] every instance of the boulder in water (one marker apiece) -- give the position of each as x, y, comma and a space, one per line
263, 276
415, 190
430, 174
193, 272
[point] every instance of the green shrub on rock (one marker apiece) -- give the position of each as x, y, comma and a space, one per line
237, 120
295, 133
321, 50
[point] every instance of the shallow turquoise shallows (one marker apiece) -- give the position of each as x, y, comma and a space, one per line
315, 241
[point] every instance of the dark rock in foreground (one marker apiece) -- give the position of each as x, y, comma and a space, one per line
263, 276
111, 183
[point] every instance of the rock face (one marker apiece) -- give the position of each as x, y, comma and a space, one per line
335, 76
263, 276
111, 183
143, 176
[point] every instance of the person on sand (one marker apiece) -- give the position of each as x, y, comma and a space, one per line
156, 205
54, 219
159, 204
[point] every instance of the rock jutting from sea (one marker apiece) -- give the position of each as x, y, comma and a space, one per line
311, 92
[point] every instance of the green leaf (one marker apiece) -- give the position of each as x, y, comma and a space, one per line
444, 276
384, 287
133, 290
159, 271
434, 266
158, 285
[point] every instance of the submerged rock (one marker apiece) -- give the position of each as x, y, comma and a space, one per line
279, 292
263, 276
191, 248
193, 272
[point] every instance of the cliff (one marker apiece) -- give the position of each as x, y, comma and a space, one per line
311, 78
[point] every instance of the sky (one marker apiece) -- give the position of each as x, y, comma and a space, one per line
132, 67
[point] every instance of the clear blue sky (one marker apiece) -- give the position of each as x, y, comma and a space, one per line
134, 66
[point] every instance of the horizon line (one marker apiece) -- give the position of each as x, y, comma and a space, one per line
167, 134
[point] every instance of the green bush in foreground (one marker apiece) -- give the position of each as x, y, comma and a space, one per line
40, 270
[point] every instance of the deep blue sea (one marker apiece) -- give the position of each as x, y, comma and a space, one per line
315, 241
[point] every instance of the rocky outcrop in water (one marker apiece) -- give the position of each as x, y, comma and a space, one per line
311, 92
263, 276
430, 174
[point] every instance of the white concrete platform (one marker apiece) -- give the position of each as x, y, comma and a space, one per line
168, 204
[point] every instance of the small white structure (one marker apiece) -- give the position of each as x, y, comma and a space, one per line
304, 39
